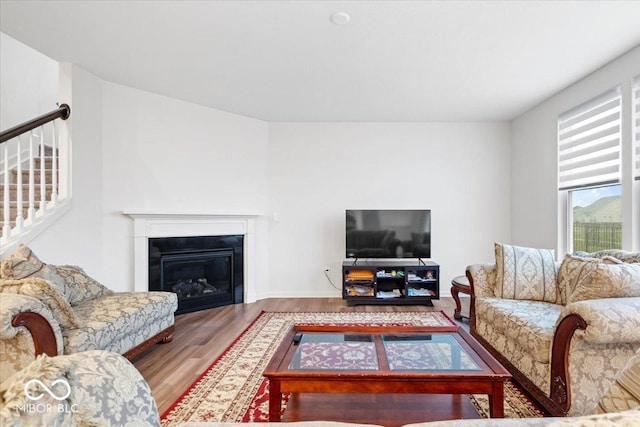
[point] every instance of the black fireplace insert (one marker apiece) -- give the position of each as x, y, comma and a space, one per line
203, 271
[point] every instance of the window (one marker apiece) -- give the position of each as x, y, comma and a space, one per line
596, 218
589, 143
589, 171
636, 127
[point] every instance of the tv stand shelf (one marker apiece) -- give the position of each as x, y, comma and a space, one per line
390, 282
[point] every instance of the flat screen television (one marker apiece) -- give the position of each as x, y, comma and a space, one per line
388, 233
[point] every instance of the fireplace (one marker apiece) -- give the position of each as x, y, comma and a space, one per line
203, 271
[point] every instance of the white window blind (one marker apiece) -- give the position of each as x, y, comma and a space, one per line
589, 143
636, 126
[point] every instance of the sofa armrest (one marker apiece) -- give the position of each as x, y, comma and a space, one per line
24, 316
482, 278
608, 320
27, 328
566, 327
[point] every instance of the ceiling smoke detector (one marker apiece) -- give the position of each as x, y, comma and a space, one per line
340, 18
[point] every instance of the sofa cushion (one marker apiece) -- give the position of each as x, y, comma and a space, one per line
525, 273
109, 318
102, 388
624, 256
44, 291
618, 419
607, 281
81, 287
266, 424
530, 324
24, 263
572, 270
624, 393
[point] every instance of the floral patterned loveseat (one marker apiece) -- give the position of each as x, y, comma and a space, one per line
60, 310
564, 330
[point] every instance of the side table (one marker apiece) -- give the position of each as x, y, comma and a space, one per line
459, 284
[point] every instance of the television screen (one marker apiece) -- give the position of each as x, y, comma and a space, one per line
388, 233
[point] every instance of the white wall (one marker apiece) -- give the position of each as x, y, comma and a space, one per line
28, 82
534, 195
317, 170
77, 238
137, 151
29, 86
164, 155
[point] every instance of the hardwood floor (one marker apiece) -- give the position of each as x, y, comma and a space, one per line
202, 336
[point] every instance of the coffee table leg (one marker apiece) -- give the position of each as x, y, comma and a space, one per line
275, 400
496, 401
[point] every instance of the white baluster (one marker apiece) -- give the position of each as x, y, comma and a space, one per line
19, 216
54, 165
32, 190
43, 179
6, 229
16, 164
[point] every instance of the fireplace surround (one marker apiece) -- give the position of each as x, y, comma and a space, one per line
148, 225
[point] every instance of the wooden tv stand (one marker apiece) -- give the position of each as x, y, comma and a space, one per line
390, 282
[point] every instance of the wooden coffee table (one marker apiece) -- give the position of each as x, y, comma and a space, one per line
383, 359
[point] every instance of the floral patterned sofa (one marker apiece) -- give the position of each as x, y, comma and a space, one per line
91, 388
564, 330
60, 310
102, 388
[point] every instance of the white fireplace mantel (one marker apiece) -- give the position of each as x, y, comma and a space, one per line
153, 224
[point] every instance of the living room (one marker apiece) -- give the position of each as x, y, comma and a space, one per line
278, 173
487, 177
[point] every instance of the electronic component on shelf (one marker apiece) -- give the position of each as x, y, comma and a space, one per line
390, 282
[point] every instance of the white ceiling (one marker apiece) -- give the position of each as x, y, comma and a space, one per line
286, 61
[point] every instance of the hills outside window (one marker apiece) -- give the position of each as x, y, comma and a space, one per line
596, 218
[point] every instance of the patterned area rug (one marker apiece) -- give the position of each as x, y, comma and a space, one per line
233, 389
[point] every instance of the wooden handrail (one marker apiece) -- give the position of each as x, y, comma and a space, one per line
63, 112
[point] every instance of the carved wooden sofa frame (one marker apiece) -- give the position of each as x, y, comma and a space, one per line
44, 339
558, 402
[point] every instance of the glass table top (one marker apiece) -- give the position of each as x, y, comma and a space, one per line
358, 352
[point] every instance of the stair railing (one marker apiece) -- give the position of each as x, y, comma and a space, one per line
17, 159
